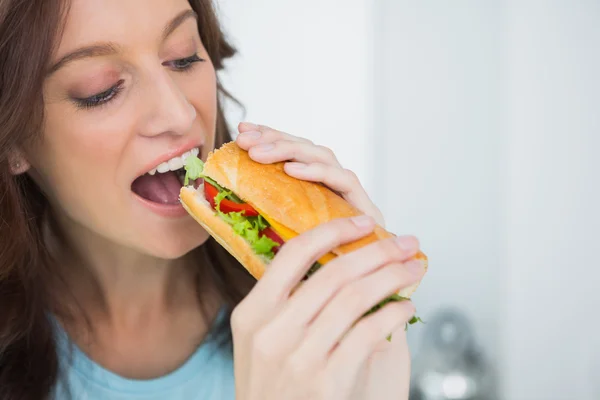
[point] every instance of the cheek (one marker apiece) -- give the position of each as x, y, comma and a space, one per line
84, 152
78, 161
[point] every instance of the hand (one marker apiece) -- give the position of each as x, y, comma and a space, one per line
307, 161
309, 345
299, 344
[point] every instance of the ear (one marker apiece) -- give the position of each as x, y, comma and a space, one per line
18, 164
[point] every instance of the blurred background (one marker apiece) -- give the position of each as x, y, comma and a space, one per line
475, 125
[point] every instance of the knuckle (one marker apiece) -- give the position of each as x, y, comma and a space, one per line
333, 276
298, 365
262, 347
389, 251
326, 151
352, 298
264, 128
302, 241
347, 225
351, 176
334, 230
396, 275
369, 332
239, 319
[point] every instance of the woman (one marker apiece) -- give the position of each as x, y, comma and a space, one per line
107, 289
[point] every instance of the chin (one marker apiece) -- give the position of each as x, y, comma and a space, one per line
171, 243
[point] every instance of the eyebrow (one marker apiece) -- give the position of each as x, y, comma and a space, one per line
107, 49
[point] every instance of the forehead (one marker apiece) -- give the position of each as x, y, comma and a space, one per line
126, 22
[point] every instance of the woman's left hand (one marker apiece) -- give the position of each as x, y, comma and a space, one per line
307, 161
388, 368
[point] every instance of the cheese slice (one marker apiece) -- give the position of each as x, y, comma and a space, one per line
287, 234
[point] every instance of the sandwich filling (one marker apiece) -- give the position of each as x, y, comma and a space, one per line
241, 216
265, 238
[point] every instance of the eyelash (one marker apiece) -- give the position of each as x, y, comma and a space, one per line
108, 95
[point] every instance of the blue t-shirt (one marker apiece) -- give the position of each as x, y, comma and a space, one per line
206, 375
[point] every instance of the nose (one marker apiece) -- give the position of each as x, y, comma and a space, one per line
167, 109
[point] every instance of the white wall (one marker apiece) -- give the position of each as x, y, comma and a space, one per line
552, 305
440, 115
304, 68
475, 124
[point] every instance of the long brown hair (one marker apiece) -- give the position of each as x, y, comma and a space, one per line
29, 30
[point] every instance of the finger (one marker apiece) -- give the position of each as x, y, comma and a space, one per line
342, 181
305, 304
394, 341
358, 345
298, 254
252, 135
288, 150
290, 265
353, 301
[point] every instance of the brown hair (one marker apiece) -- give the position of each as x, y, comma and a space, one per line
29, 30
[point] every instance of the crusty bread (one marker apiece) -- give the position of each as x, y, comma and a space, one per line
298, 205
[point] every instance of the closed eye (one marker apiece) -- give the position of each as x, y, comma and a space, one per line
181, 64
184, 64
100, 98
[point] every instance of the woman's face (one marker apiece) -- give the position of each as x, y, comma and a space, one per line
131, 88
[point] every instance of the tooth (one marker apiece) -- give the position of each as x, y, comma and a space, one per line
195, 151
184, 156
152, 172
175, 163
162, 168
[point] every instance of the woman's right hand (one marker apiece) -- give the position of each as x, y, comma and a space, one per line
306, 343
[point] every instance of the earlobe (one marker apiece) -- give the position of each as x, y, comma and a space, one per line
18, 164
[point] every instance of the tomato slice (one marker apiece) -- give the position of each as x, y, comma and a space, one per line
270, 233
227, 205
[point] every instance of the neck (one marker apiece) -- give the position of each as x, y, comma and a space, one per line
121, 285
136, 315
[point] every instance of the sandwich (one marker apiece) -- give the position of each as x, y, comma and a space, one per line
252, 209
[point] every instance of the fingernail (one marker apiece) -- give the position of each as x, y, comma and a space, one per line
296, 166
407, 243
263, 148
363, 221
250, 125
251, 134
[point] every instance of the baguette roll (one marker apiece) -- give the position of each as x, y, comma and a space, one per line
290, 206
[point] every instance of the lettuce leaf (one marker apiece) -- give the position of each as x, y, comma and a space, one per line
193, 169
314, 268
247, 227
394, 297
264, 246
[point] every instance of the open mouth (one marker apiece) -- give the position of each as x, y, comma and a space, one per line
163, 184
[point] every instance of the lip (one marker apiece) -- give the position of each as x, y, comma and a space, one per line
168, 155
164, 210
